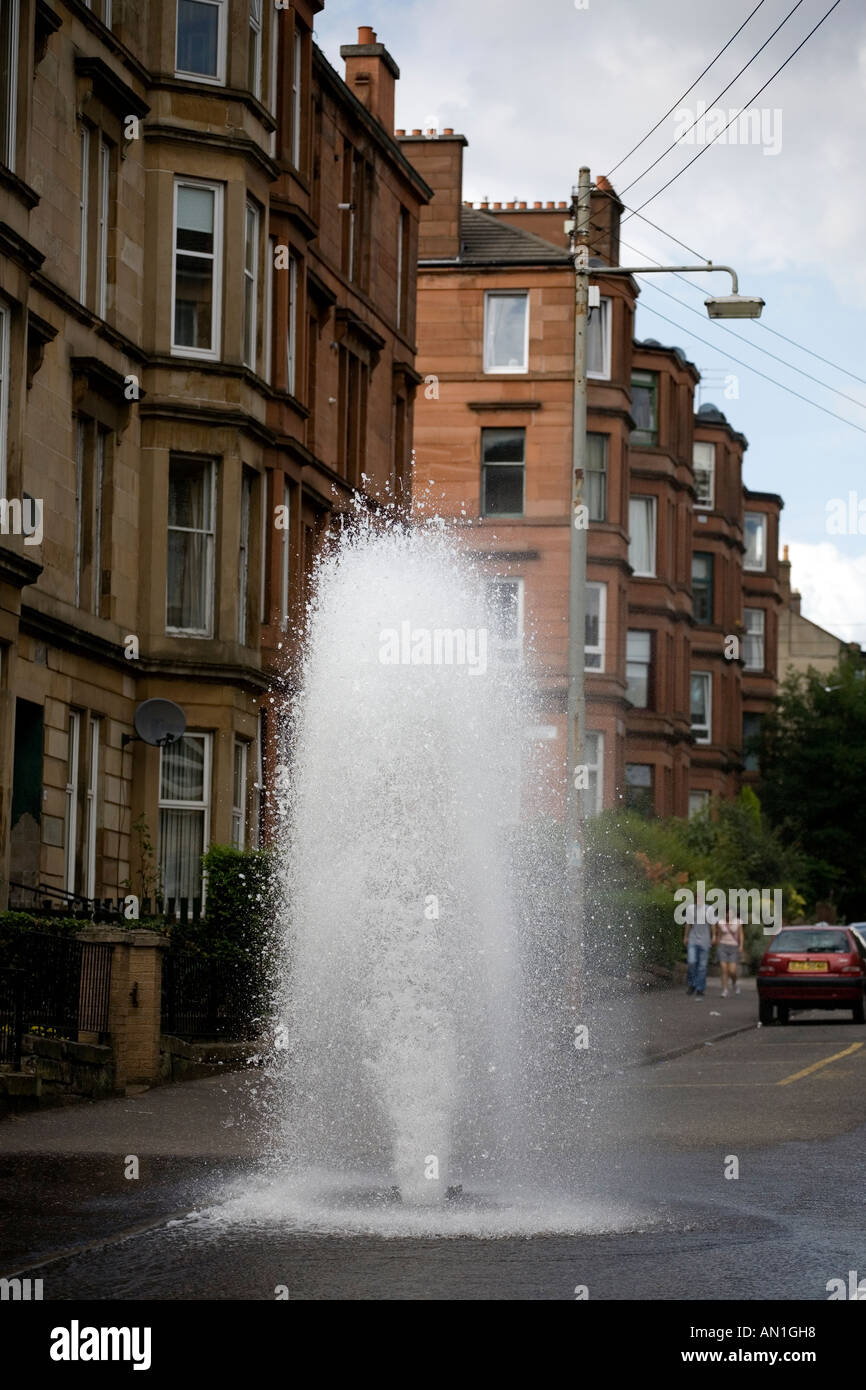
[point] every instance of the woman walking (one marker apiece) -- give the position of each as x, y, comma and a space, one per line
729, 940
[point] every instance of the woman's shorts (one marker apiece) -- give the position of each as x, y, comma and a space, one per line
729, 953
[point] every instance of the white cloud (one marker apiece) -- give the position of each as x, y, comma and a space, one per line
833, 586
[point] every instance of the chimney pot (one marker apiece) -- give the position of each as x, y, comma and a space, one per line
398, 131
536, 205
511, 205
785, 554
550, 205
485, 204
497, 205
417, 132
521, 205
562, 205
431, 130
366, 34
449, 130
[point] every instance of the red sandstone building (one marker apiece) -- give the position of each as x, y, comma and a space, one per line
682, 586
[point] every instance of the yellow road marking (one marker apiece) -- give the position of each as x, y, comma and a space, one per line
816, 1066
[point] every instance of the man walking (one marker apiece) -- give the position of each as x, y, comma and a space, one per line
697, 939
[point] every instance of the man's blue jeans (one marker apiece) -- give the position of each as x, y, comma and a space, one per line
697, 957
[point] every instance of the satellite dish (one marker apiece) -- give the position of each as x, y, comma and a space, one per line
159, 722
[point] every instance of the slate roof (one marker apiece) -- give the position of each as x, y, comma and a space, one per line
487, 240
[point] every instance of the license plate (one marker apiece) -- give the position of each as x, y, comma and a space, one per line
810, 965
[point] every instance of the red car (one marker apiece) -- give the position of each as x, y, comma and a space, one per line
818, 967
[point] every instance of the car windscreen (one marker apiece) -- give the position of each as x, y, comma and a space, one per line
810, 941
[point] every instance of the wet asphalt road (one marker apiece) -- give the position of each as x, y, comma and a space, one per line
645, 1162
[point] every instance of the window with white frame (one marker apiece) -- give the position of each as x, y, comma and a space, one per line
5, 326
251, 282
505, 610
274, 47
596, 476
642, 535
269, 310
244, 555
83, 209
94, 202
598, 341
506, 331
503, 472
263, 549
297, 104
91, 825
593, 753
200, 45
254, 52
638, 668
756, 541
190, 561
9, 50
102, 228
285, 557
78, 512
704, 465
595, 621
701, 706
184, 814
239, 793
98, 516
292, 327
257, 822
70, 829
698, 803
753, 646
197, 279
644, 408
640, 788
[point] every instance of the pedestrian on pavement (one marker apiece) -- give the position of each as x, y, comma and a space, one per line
697, 939
729, 940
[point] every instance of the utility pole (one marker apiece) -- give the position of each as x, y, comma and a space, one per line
575, 771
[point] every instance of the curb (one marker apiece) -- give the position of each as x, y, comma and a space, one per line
692, 1047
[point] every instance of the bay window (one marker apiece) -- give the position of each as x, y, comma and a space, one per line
596, 476
644, 408
642, 535
191, 536
251, 283
702, 587
184, 814
704, 465
753, 647
593, 753
596, 607
9, 49
756, 541
200, 41
598, 341
638, 669
197, 278
701, 706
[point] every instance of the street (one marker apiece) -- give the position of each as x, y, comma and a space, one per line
645, 1210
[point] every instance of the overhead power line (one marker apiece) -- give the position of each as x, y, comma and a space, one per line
686, 92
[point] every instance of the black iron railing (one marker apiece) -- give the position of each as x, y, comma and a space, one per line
206, 998
55, 986
11, 1017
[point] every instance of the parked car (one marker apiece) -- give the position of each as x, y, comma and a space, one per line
820, 967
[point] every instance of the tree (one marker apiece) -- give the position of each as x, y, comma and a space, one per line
813, 774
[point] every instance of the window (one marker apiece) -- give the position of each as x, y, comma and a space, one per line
506, 332
751, 741
704, 463
285, 556
264, 552
698, 803
638, 668
78, 514
244, 555
239, 794
644, 408
197, 268
71, 821
642, 535
593, 752
102, 229
9, 47
269, 310
257, 823
4, 396
353, 382
191, 516
639, 788
753, 647
98, 518
92, 810
297, 106
596, 476
83, 211
201, 40
702, 587
403, 270
254, 52
756, 541
505, 607
701, 705
503, 471
292, 327
251, 283
596, 609
598, 341
355, 211
184, 812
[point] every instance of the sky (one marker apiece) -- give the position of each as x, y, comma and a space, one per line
539, 90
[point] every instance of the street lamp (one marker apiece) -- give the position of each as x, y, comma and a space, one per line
730, 306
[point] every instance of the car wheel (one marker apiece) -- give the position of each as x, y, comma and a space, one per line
858, 1013
765, 1011
783, 1012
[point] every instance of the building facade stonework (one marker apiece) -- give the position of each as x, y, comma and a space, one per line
206, 346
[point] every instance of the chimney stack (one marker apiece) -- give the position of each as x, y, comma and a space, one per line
371, 75
439, 161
